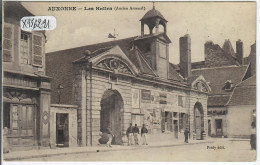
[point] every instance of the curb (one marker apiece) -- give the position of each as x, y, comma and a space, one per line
100, 150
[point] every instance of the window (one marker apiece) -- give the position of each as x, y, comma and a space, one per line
37, 50
163, 98
228, 85
180, 102
31, 49
24, 48
7, 43
146, 95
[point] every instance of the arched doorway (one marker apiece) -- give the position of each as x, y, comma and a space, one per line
198, 120
111, 107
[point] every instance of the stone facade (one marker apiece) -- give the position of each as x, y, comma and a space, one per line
161, 100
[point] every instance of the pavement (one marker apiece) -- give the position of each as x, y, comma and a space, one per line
155, 141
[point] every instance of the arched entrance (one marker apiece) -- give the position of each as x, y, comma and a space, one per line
111, 107
198, 120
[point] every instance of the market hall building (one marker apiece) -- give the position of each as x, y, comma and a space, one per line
130, 81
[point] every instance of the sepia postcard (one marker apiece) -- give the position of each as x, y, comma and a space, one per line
128, 81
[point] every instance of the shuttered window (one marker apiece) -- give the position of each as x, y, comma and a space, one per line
37, 50
25, 48
8, 43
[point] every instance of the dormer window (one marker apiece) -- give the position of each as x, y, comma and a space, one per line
228, 85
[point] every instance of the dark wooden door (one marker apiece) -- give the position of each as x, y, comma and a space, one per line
21, 125
62, 129
198, 127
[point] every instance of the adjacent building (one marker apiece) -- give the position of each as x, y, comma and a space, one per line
232, 78
26, 88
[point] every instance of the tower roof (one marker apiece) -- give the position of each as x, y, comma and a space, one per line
153, 13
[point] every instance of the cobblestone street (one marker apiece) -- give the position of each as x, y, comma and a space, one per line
229, 150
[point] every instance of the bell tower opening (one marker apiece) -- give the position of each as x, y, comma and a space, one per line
153, 19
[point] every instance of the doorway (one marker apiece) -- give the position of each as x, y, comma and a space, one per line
62, 130
198, 120
209, 127
110, 116
219, 131
19, 119
175, 125
168, 121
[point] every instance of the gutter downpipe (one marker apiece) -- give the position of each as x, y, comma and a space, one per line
90, 99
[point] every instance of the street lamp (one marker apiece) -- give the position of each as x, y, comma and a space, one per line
59, 88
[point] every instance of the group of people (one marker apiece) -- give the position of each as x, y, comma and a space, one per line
132, 132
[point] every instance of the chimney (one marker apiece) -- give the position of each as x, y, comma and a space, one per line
253, 59
185, 56
239, 52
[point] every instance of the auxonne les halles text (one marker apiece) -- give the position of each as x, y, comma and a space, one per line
116, 8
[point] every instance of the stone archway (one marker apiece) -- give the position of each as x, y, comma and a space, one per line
111, 107
198, 120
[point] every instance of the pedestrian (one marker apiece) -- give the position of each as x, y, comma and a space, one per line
253, 136
110, 137
144, 131
136, 132
129, 134
186, 135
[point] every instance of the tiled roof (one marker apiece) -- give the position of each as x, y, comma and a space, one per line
243, 96
198, 65
219, 100
153, 13
19, 12
248, 82
244, 93
62, 63
218, 76
173, 74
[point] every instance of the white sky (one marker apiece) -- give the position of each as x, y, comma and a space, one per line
204, 21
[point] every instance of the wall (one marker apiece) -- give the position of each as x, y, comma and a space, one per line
71, 110
102, 82
239, 121
97, 82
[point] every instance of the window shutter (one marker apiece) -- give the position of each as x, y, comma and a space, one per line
37, 50
163, 121
7, 44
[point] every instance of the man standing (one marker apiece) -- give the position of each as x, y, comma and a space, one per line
136, 132
144, 131
129, 134
186, 134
